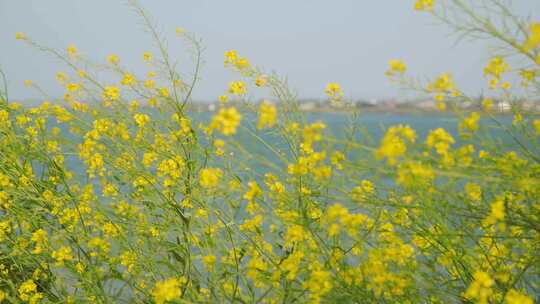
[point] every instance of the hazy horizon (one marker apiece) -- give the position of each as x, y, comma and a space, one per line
310, 42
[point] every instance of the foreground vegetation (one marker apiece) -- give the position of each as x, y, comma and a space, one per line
116, 195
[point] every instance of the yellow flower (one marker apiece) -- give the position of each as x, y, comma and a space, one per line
72, 50
209, 177
238, 88
172, 169
517, 119
128, 79
497, 214
487, 104
496, 67
253, 192
141, 119
149, 83
319, 282
28, 292
62, 255
515, 297
483, 154
396, 66
72, 87
493, 83
19, 36
113, 59
440, 140
361, 192
5, 229
149, 158
98, 245
168, 290
480, 288
527, 76
474, 191
441, 106
27, 287
111, 93
226, 121
209, 260
252, 224
241, 63
414, 174
260, 80
267, 115
536, 124
164, 92
393, 144
147, 56
230, 57
179, 30
223, 98
442, 84
534, 37
333, 90
423, 5
27, 83
128, 259
295, 233
61, 77
337, 158
469, 124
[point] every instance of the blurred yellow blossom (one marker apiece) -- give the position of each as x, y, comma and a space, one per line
396, 67
238, 88
333, 90
72, 50
226, 121
168, 290
496, 67
422, 5
480, 289
113, 59
209, 177
147, 56
533, 40
267, 115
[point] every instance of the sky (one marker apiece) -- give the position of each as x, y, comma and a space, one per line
311, 42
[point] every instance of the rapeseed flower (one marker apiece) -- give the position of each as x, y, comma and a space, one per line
267, 115
533, 39
423, 5
209, 177
396, 67
226, 121
333, 90
167, 290
238, 88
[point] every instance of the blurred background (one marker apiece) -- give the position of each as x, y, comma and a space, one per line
312, 42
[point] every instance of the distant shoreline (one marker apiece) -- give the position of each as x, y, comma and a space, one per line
322, 106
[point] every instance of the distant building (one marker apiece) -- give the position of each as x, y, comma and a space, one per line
308, 106
504, 106
426, 105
